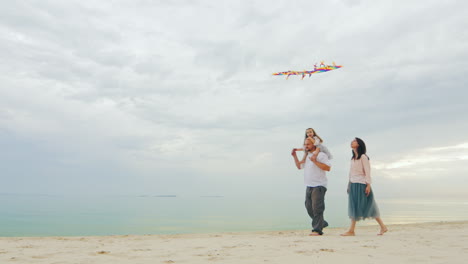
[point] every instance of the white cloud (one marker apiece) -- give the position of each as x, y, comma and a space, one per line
425, 163
180, 87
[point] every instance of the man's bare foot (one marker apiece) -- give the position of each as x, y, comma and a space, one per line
382, 231
314, 234
348, 233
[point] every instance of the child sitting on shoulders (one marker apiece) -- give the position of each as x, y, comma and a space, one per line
317, 140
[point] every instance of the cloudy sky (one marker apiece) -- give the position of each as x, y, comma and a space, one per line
177, 97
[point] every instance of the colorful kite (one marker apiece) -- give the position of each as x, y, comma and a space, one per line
321, 68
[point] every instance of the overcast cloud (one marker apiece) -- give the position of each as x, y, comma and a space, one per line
177, 97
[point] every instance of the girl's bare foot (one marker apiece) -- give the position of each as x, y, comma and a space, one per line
348, 233
382, 231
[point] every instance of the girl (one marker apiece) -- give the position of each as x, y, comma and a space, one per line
361, 203
317, 140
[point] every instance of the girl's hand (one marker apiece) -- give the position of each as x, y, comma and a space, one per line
368, 189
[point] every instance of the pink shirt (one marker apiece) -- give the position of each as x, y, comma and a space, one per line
360, 170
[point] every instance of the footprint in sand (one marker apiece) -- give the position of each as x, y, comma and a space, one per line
27, 246
102, 252
228, 247
367, 246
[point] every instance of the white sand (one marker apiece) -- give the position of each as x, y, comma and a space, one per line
415, 243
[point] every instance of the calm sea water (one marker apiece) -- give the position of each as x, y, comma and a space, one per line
40, 215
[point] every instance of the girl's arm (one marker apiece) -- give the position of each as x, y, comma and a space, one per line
317, 141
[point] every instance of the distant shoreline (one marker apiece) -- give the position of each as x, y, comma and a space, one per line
361, 225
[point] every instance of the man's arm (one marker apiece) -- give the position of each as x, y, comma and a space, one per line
296, 160
322, 166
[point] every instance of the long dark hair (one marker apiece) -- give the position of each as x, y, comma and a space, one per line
361, 150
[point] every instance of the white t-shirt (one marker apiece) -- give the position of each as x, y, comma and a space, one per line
313, 175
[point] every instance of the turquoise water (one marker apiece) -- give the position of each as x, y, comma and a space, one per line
40, 215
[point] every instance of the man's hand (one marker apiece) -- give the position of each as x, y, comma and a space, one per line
293, 152
313, 158
322, 166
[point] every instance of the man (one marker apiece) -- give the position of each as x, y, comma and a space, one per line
315, 180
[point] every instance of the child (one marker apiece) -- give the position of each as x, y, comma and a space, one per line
310, 133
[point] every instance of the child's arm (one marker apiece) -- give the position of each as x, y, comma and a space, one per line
317, 141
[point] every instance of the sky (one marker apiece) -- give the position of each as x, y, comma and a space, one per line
177, 97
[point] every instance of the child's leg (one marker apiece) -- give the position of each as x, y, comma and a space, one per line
326, 151
317, 150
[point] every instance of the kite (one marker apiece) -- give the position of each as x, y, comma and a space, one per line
321, 68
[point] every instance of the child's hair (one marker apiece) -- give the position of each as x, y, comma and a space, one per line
361, 150
315, 134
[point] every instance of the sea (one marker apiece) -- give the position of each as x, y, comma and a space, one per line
74, 215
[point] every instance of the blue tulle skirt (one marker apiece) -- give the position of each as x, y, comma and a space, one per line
360, 206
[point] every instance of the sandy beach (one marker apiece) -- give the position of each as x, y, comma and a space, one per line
445, 242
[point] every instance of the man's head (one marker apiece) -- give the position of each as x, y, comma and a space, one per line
309, 144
